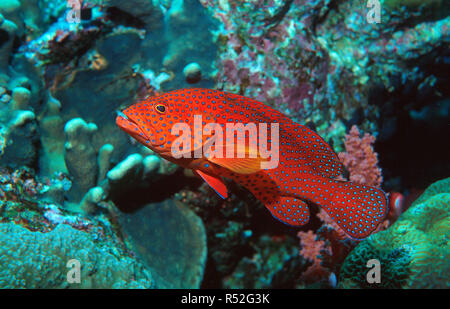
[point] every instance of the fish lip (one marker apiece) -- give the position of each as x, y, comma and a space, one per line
123, 116
136, 125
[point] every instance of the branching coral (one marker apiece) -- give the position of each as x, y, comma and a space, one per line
80, 156
360, 159
18, 125
312, 249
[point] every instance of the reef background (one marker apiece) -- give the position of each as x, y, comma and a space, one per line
73, 186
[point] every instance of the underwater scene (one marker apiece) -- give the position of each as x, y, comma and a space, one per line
224, 144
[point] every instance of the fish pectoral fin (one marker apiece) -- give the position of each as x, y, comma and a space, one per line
239, 166
214, 183
289, 210
249, 163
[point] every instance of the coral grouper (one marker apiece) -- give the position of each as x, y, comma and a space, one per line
306, 165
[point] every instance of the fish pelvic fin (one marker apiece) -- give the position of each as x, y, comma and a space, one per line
214, 182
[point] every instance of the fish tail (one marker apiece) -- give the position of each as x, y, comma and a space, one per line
356, 208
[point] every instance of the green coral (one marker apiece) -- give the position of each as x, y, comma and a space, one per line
171, 241
394, 267
441, 186
414, 252
39, 260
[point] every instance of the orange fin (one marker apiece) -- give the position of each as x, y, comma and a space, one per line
239, 165
289, 210
214, 183
250, 164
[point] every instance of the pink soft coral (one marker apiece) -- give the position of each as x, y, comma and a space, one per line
360, 159
312, 248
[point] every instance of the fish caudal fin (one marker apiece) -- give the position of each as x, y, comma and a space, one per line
289, 210
357, 209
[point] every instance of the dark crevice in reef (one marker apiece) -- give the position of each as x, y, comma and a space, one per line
119, 17
75, 45
224, 256
413, 140
409, 17
4, 37
278, 17
320, 18
132, 200
86, 14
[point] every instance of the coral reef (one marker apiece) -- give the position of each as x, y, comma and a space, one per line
44, 258
180, 265
72, 186
38, 239
275, 264
313, 59
413, 252
115, 251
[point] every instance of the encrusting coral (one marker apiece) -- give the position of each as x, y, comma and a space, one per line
126, 251
44, 260
414, 252
176, 259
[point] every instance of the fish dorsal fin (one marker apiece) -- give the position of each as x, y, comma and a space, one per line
214, 183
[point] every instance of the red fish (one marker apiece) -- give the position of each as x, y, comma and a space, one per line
305, 172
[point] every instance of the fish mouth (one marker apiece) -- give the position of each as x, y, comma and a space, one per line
132, 127
128, 124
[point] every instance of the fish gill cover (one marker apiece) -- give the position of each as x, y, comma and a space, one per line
358, 90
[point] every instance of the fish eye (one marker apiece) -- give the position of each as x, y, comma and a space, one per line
160, 108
